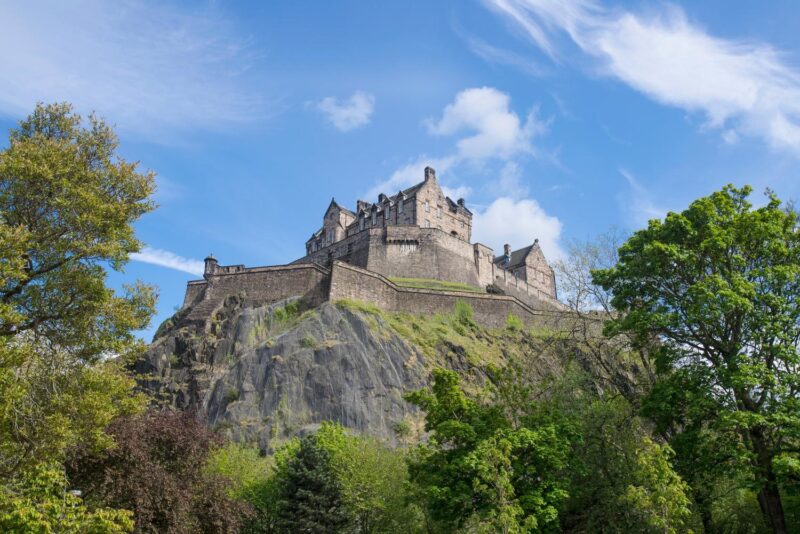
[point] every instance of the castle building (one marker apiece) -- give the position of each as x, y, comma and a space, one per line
421, 233
417, 233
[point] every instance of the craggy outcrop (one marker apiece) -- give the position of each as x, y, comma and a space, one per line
266, 372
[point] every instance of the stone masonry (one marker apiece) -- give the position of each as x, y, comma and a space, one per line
416, 233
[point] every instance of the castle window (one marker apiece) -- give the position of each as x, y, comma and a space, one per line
427, 223
361, 223
374, 218
427, 206
400, 206
439, 211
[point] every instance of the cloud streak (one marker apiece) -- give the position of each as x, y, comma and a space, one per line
346, 115
153, 69
743, 88
170, 260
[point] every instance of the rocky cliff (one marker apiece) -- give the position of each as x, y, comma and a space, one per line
264, 372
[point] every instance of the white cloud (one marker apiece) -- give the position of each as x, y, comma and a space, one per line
640, 202
518, 223
151, 68
165, 258
348, 114
462, 191
740, 87
410, 174
498, 131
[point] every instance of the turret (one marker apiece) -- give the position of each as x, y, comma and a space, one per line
211, 266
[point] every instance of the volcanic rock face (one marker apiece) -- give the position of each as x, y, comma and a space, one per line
266, 372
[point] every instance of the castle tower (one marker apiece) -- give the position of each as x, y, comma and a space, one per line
210, 267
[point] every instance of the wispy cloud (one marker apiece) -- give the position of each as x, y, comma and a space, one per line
165, 258
639, 201
742, 88
152, 68
346, 115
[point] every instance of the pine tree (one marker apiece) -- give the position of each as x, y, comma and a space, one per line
310, 495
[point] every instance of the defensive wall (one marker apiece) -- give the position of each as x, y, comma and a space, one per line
412, 252
317, 284
354, 283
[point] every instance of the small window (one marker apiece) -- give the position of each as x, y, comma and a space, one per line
427, 223
374, 218
439, 211
427, 206
400, 206
361, 223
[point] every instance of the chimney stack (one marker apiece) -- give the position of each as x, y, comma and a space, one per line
507, 249
430, 174
460, 202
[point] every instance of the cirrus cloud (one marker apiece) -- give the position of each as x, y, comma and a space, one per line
741, 88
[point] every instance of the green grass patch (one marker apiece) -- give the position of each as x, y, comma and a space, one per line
437, 285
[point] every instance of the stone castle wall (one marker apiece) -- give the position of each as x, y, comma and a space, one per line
404, 251
353, 283
266, 284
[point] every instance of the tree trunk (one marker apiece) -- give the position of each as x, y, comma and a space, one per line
769, 497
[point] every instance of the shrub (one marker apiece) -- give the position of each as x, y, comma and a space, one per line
514, 323
463, 314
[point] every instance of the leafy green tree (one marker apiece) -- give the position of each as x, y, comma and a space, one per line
253, 479
310, 495
40, 502
372, 477
67, 205
485, 468
718, 286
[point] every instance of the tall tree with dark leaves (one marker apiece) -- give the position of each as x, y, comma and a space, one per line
310, 495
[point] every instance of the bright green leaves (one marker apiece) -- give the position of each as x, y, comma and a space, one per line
67, 205
480, 468
718, 286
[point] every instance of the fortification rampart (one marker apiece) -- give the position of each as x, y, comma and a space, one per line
354, 283
317, 284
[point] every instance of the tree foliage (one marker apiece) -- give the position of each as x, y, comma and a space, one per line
67, 205
310, 495
158, 471
718, 286
483, 467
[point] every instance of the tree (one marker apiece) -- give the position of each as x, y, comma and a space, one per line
485, 467
718, 287
40, 503
310, 496
67, 205
158, 471
372, 477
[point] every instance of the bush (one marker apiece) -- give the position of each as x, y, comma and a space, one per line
463, 314
514, 323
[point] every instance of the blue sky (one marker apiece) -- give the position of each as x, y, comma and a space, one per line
555, 120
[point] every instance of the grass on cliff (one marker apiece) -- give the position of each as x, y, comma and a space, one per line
453, 339
437, 285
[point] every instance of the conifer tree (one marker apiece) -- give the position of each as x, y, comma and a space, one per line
310, 495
